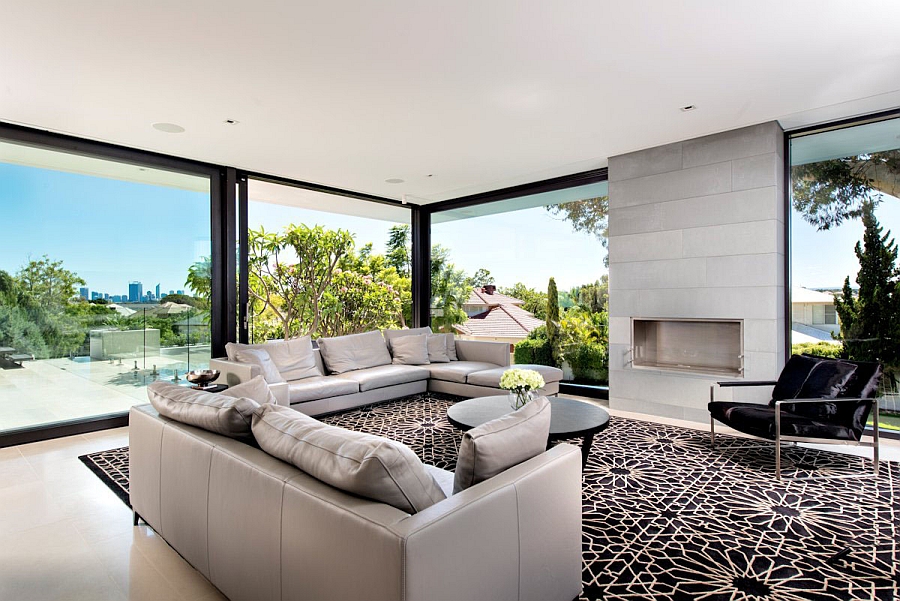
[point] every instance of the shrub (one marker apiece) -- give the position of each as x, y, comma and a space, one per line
589, 361
818, 349
534, 351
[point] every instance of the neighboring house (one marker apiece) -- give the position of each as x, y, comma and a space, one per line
813, 316
497, 317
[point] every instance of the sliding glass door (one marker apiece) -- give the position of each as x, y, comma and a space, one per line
105, 280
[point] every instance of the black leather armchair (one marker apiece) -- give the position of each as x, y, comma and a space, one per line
814, 400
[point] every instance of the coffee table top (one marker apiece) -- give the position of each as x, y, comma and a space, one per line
569, 418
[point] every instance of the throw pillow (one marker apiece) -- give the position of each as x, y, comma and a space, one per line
792, 377
254, 389
390, 335
451, 346
437, 348
218, 413
363, 464
502, 443
356, 351
410, 350
294, 358
261, 359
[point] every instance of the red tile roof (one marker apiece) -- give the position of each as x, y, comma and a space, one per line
480, 297
503, 321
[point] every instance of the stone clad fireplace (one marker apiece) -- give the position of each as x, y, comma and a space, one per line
696, 271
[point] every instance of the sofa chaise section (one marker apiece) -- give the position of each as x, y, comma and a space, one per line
261, 529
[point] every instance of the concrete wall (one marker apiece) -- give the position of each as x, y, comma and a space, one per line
696, 230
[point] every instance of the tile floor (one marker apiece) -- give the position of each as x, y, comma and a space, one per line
65, 536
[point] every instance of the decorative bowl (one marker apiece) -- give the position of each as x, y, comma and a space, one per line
202, 377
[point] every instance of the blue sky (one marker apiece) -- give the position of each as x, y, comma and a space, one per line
110, 232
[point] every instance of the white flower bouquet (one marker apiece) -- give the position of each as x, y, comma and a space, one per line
520, 383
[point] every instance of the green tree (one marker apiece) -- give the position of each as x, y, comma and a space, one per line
588, 216
828, 192
199, 279
291, 284
593, 297
450, 289
535, 302
399, 252
482, 278
47, 282
870, 322
553, 319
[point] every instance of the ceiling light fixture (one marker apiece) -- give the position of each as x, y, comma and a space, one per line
231, 121
688, 107
169, 128
394, 180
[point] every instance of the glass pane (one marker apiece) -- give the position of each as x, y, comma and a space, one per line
325, 265
104, 283
494, 266
845, 214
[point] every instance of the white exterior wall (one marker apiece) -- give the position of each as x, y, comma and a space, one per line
696, 230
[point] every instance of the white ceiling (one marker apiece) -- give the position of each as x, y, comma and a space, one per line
480, 95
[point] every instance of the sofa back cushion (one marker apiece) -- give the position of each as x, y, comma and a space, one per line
865, 380
218, 413
254, 389
410, 350
502, 443
293, 358
437, 348
390, 335
261, 358
362, 464
356, 351
827, 380
792, 377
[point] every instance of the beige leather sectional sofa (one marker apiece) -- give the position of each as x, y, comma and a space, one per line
262, 530
475, 372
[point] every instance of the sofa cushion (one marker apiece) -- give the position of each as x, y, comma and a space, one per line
293, 358
502, 443
437, 348
457, 371
389, 335
451, 346
759, 420
865, 380
410, 350
254, 389
443, 478
792, 377
491, 377
260, 358
363, 464
385, 375
218, 413
355, 351
320, 387
826, 381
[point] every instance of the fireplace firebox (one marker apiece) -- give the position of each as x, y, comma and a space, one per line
702, 346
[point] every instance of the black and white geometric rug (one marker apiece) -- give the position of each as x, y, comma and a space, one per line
667, 517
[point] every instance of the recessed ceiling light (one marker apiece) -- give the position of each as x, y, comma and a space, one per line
394, 180
430, 175
231, 121
169, 128
688, 107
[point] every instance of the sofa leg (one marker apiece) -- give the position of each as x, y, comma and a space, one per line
135, 517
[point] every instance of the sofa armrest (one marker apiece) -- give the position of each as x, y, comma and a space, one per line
233, 373
484, 351
520, 530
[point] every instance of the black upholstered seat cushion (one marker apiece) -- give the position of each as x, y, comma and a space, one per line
793, 376
759, 420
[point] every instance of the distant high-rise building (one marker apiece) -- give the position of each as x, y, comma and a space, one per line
181, 292
163, 295
105, 296
95, 295
157, 292
135, 292
84, 293
171, 292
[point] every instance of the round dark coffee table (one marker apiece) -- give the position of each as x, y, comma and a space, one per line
569, 418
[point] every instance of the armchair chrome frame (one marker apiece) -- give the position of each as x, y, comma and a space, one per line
795, 439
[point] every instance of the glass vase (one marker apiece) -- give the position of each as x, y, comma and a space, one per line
518, 399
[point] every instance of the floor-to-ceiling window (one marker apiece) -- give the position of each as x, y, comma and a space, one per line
104, 283
530, 271
845, 275
324, 264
